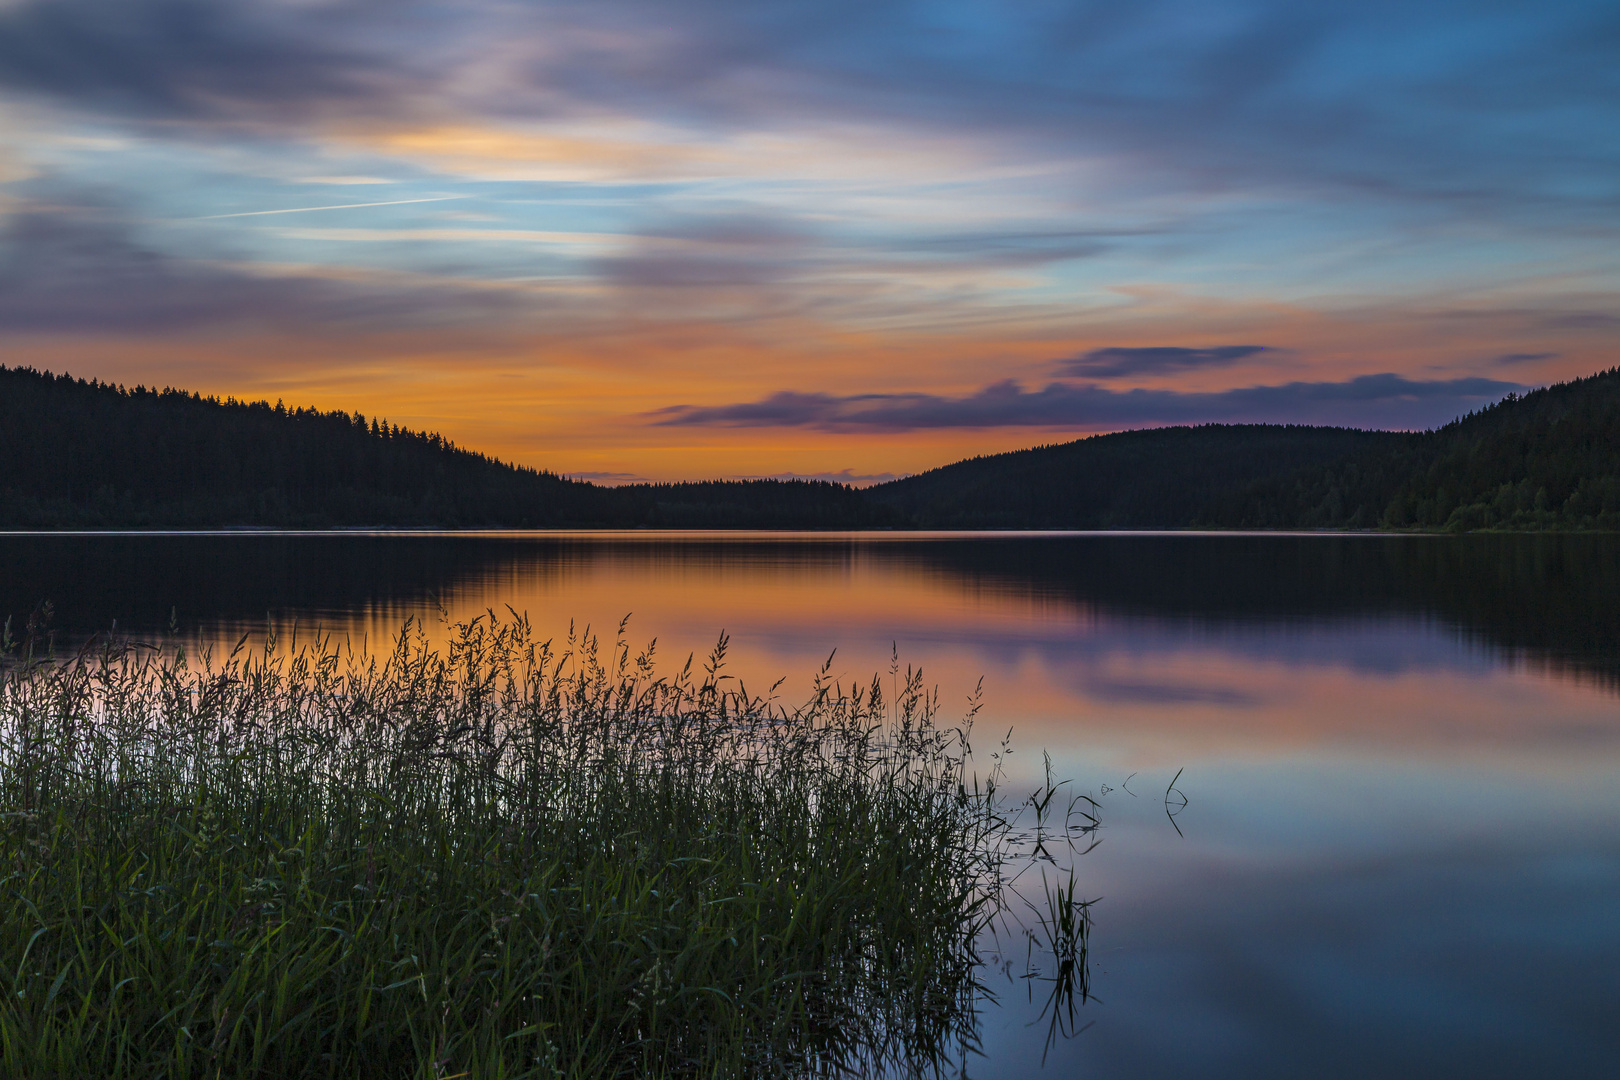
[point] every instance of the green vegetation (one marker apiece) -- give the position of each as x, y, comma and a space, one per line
502, 860
1159, 478
89, 455
1547, 460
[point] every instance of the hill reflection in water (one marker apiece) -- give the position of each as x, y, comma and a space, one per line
1553, 598
1403, 840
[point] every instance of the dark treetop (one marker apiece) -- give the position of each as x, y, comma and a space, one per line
1547, 460
84, 454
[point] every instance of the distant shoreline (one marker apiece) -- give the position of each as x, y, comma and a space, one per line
895, 533
86, 457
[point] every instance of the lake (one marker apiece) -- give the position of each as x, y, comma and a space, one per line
1400, 853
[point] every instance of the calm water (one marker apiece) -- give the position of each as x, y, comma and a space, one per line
1402, 843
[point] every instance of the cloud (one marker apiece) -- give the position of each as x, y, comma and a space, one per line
801, 183
343, 181
1370, 101
1384, 400
331, 206
83, 269
491, 152
722, 251
785, 408
198, 60
1447, 102
1121, 361
1525, 357
1581, 320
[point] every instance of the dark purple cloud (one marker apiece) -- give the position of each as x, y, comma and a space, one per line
82, 269
1525, 357
1484, 108
1382, 401
720, 251
726, 250
785, 408
201, 60
1122, 361
1582, 320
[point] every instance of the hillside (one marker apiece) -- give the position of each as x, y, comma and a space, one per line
1159, 478
83, 454
1547, 460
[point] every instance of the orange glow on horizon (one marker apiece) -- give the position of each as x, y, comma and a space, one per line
578, 397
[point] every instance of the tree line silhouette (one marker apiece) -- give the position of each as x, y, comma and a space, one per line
87, 454
1549, 459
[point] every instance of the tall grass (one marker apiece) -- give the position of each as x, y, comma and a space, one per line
494, 858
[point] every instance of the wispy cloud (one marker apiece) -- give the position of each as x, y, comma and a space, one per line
180, 60
1265, 93
1124, 361
335, 206
707, 201
344, 181
78, 269
1383, 400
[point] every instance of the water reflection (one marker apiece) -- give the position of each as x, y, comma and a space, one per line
1552, 600
1402, 849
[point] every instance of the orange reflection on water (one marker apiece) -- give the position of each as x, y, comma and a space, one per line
1066, 675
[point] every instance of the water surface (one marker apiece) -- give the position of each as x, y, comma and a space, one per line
1401, 852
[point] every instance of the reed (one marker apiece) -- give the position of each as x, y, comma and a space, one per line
492, 858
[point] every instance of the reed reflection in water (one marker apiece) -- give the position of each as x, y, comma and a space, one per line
506, 857
1401, 753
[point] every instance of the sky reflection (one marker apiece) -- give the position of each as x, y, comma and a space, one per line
1402, 841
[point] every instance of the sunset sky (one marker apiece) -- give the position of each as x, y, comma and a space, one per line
688, 238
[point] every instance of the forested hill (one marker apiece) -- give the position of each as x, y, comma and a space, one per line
1158, 478
83, 454
1547, 460
80, 454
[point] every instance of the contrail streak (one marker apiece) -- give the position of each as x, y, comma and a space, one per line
340, 206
